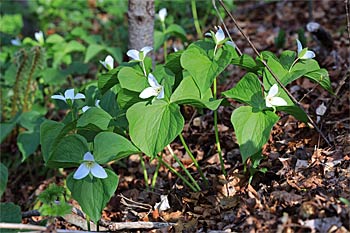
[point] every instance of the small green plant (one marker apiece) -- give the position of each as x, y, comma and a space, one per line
53, 202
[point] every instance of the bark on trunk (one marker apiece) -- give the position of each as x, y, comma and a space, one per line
141, 23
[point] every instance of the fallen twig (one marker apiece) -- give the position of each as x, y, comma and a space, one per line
272, 73
115, 226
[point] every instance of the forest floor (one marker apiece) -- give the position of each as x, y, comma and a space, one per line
307, 181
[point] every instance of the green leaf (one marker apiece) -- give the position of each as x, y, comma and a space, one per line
74, 46
7, 127
28, 142
294, 110
10, 213
110, 146
152, 127
54, 39
53, 76
127, 98
116, 53
69, 152
92, 51
95, 116
107, 80
49, 130
248, 90
174, 64
245, 61
132, 79
177, 30
93, 194
203, 69
287, 58
321, 76
252, 129
159, 39
188, 93
3, 178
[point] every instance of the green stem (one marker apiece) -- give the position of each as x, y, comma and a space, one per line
145, 176
193, 159
184, 168
154, 178
218, 146
144, 68
88, 222
164, 44
290, 68
195, 18
177, 174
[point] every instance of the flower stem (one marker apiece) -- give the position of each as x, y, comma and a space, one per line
145, 176
290, 68
144, 68
184, 168
164, 44
218, 146
154, 178
193, 159
88, 222
195, 18
177, 174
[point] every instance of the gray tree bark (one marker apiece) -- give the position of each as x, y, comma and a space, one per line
141, 23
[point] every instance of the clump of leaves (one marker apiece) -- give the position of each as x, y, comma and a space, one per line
54, 201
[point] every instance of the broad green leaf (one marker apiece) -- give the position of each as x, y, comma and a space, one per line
93, 194
166, 78
69, 152
188, 93
203, 69
174, 64
132, 79
245, 61
277, 69
177, 30
28, 142
49, 131
3, 178
76, 67
11, 23
154, 126
7, 127
294, 110
55, 38
107, 80
321, 76
74, 46
159, 39
287, 58
10, 213
53, 76
252, 129
127, 98
95, 116
116, 53
248, 90
92, 51
110, 146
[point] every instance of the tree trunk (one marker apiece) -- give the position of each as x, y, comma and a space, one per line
141, 23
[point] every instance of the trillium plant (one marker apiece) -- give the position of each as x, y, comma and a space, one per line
126, 120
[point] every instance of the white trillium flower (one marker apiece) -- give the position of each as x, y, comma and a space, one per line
69, 94
272, 100
162, 14
97, 104
108, 63
139, 55
154, 90
16, 42
39, 36
304, 53
218, 37
89, 166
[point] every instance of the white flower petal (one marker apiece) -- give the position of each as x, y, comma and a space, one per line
109, 62
146, 50
16, 42
321, 110
273, 90
278, 101
97, 103
69, 94
85, 108
267, 102
81, 172
162, 14
79, 96
207, 34
148, 92
152, 81
98, 171
219, 35
39, 36
88, 156
104, 64
308, 55
59, 97
231, 43
134, 54
300, 47
161, 94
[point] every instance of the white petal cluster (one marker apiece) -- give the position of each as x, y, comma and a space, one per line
272, 100
89, 166
108, 63
302, 54
139, 55
154, 90
39, 36
162, 14
69, 95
